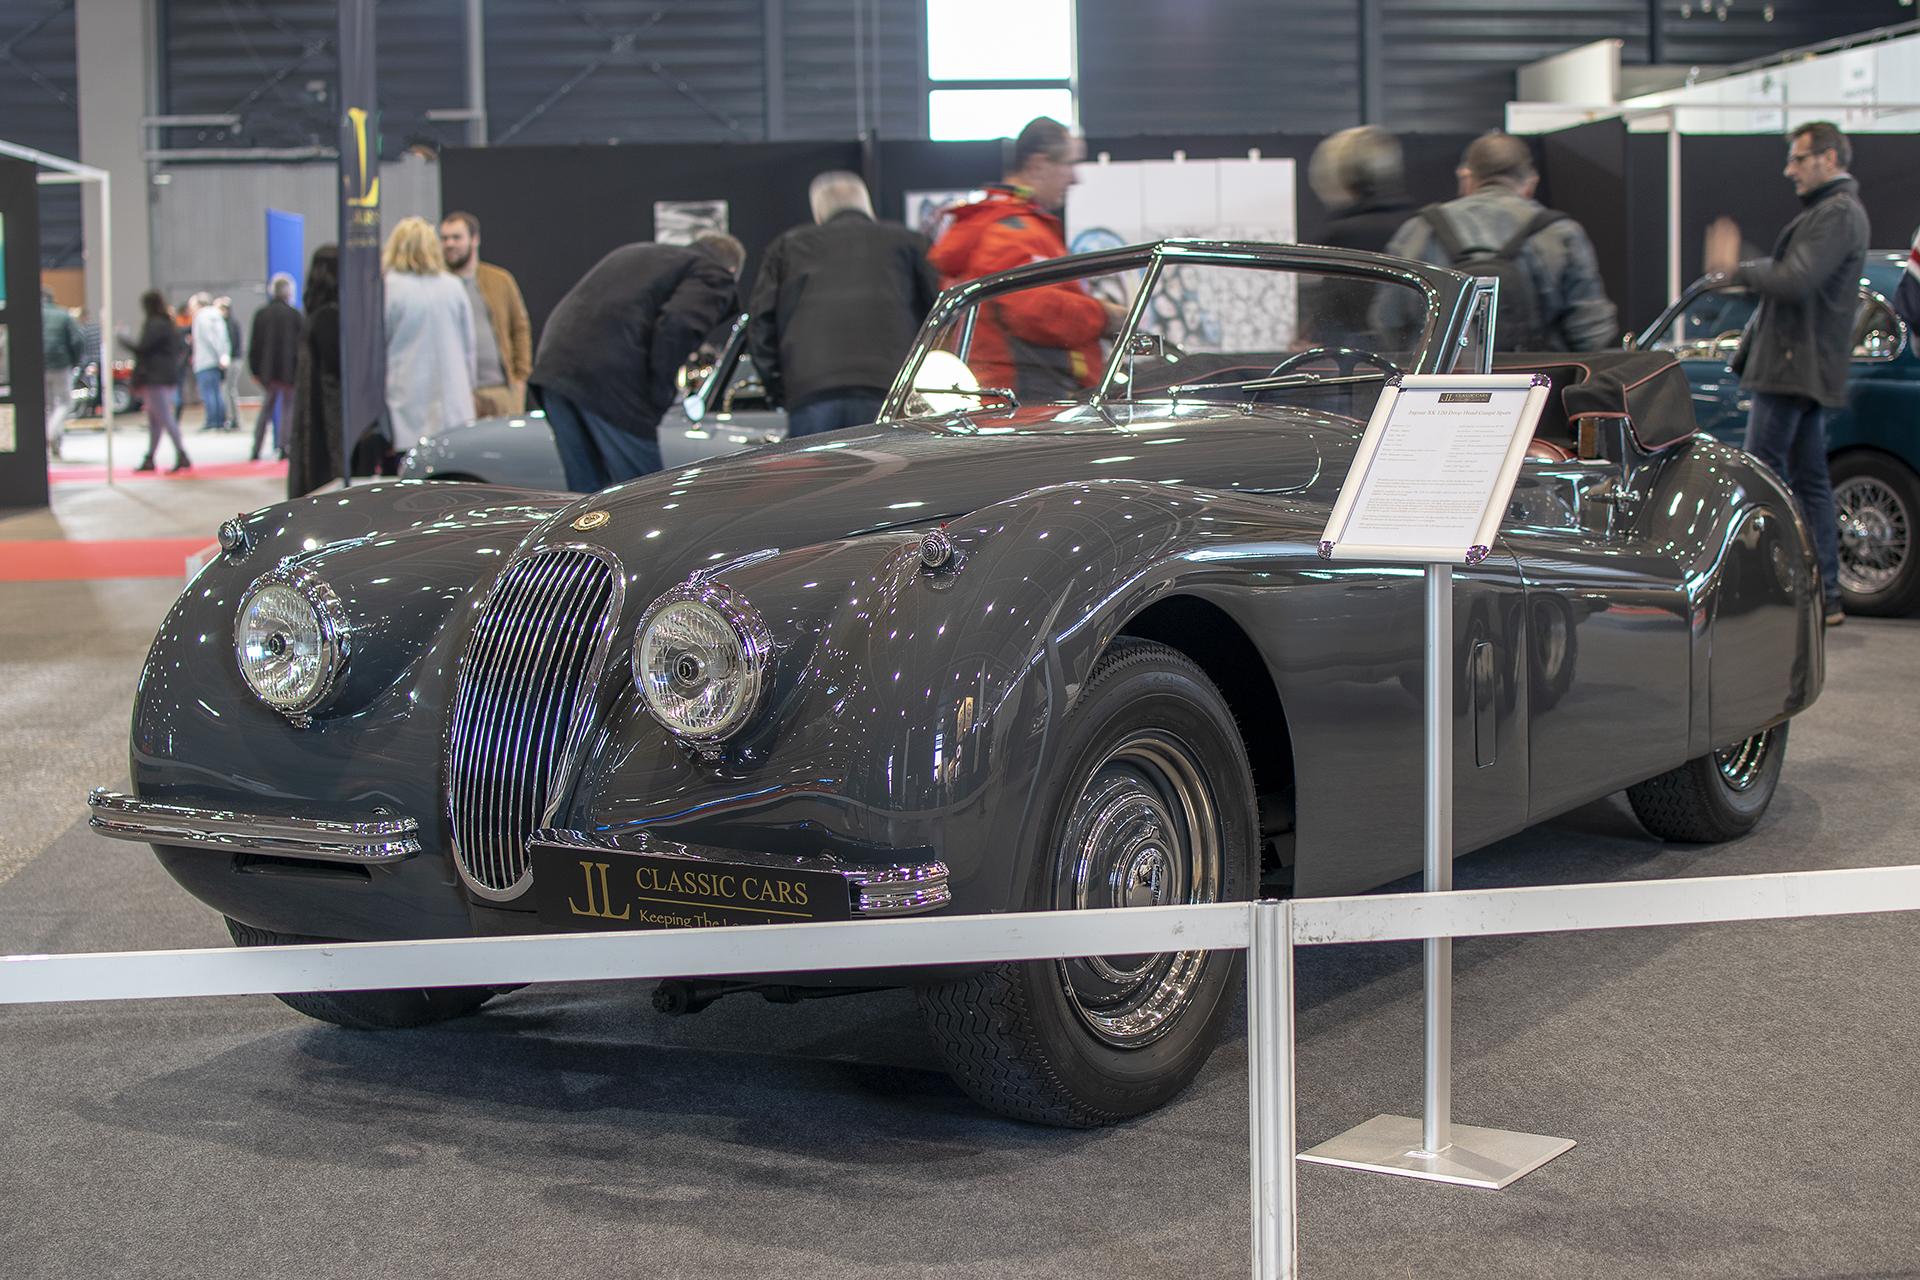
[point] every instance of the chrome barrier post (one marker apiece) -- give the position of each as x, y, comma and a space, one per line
1271, 1132
1434, 1147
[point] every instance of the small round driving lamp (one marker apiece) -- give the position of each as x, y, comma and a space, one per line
701, 662
290, 638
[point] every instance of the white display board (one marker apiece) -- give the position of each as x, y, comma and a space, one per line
1435, 468
1134, 201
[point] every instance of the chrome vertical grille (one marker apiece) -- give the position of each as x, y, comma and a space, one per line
521, 710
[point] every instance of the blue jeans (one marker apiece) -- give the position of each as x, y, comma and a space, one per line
1789, 434
831, 415
595, 452
210, 381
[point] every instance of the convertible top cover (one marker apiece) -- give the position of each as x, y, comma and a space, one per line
1647, 388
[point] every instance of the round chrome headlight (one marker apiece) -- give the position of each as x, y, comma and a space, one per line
701, 661
291, 640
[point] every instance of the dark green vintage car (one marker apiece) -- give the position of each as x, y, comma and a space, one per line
1873, 444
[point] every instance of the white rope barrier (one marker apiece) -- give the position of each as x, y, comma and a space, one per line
1267, 930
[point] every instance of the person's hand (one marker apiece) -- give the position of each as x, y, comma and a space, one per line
1116, 318
1723, 245
224, 362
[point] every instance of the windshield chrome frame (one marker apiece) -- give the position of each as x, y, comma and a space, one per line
1450, 296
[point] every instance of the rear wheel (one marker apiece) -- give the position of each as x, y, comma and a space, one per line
365, 1010
1877, 501
1153, 805
1716, 797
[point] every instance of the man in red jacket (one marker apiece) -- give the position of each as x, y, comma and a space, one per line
1044, 343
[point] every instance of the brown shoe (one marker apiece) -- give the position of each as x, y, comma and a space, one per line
146, 464
183, 464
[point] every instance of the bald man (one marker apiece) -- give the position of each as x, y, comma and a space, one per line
836, 307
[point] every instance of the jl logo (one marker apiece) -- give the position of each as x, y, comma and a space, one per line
363, 193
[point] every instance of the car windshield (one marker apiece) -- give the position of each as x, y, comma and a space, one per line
1237, 332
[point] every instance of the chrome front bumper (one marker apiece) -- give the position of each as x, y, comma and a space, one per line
379, 840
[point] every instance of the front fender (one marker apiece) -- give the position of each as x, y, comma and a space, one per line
917, 708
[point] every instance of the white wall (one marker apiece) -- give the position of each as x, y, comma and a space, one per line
210, 222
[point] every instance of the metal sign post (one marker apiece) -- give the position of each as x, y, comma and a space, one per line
1453, 445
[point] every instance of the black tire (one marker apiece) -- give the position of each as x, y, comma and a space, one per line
1877, 500
1716, 797
1151, 757
366, 1010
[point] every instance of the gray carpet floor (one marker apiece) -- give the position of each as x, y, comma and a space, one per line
1743, 1095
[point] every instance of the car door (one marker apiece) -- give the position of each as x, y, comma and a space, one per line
1608, 643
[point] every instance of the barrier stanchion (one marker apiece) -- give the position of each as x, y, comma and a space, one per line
1271, 1128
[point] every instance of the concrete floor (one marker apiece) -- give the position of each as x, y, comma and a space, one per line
1743, 1095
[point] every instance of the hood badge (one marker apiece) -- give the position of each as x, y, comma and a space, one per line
591, 520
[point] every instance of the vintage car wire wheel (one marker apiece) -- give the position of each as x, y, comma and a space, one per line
1152, 801
1143, 832
1877, 502
1714, 797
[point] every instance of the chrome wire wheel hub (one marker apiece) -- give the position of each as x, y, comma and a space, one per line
1875, 534
1742, 763
1143, 832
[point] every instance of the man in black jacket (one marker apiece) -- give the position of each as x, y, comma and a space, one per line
273, 354
1795, 359
836, 307
610, 351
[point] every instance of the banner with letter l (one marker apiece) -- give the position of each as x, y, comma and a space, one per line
363, 331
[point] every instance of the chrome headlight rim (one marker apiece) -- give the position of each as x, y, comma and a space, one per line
756, 644
335, 636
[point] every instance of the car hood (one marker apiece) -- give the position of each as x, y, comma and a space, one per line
866, 479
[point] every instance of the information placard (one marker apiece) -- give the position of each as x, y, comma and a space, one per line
1435, 468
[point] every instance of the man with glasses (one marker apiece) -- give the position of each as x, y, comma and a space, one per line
1795, 355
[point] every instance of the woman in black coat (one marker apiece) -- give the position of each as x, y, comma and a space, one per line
156, 367
313, 431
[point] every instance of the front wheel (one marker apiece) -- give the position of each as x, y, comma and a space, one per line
1715, 797
1153, 804
1877, 502
365, 1010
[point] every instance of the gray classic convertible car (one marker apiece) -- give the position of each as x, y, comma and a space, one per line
1055, 634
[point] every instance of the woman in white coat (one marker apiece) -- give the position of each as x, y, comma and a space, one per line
429, 337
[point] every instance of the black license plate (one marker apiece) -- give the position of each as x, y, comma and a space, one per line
606, 889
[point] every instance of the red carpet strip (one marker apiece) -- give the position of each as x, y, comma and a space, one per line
90, 473
63, 561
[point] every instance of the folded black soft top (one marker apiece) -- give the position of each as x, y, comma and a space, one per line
1647, 388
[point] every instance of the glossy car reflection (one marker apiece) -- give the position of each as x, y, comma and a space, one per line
1873, 444
1054, 635
724, 411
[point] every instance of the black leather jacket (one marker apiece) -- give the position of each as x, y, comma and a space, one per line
1801, 340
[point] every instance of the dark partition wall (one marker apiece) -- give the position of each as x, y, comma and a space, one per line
547, 214
23, 467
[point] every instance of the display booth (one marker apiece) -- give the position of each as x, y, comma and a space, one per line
23, 421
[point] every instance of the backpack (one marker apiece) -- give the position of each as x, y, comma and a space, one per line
1518, 324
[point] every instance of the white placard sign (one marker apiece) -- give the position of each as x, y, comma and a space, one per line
1435, 468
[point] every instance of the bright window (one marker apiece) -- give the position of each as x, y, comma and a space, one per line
1000, 39
999, 63
953, 114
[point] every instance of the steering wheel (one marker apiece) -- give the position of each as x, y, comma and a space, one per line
1348, 358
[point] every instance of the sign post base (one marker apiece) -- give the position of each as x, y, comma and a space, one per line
1490, 1158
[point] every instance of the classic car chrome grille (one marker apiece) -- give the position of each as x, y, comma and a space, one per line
524, 697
